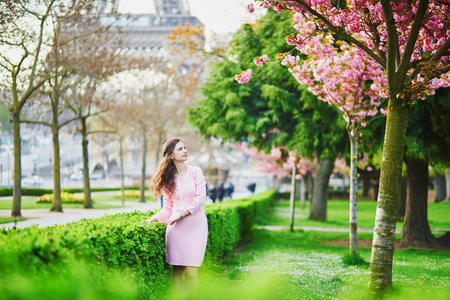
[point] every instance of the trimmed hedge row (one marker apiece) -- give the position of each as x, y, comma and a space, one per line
6, 191
123, 242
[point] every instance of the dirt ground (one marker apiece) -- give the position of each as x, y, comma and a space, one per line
361, 243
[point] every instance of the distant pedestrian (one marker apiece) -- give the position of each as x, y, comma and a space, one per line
229, 191
251, 187
220, 191
213, 194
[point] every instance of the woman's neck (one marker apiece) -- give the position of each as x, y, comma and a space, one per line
181, 169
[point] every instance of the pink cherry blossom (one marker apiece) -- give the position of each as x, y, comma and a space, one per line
250, 8
244, 77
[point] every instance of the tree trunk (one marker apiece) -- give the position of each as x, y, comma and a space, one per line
158, 148
291, 221
447, 180
309, 186
122, 185
376, 188
87, 203
57, 203
302, 191
366, 185
144, 157
353, 189
439, 187
388, 197
298, 189
416, 230
324, 169
403, 196
17, 189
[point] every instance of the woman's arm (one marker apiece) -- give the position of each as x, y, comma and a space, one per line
200, 191
165, 213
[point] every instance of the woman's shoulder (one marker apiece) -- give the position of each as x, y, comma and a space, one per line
195, 169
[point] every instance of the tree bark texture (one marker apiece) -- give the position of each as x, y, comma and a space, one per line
403, 196
57, 203
292, 201
416, 230
447, 184
122, 185
17, 188
302, 188
324, 168
353, 189
388, 198
366, 185
439, 187
144, 158
87, 203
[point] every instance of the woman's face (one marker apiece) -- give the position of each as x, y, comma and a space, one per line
180, 152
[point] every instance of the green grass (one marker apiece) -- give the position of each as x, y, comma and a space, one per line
305, 265
301, 265
4, 220
338, 215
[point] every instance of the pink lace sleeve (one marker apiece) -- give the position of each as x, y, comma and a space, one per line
200, 190
165, 213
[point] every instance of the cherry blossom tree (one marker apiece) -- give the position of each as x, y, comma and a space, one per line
410, 42
343, 76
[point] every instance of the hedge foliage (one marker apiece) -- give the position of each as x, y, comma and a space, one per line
65, 198
115, 244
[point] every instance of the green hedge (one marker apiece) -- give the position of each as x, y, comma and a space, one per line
116, 243
6, 191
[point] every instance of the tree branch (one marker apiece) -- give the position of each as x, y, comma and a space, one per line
36, 122
68, 121
392, 40
339, 30
102, 131
442, 51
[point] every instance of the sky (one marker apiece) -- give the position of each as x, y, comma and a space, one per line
218, 16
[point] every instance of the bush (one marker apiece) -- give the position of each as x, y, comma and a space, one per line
121, 242
133, 194
354, 260
65, 198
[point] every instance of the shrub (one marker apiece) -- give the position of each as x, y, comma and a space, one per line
122, 242
65, 198
354, 260
133, 194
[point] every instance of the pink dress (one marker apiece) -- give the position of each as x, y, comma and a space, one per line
186, 238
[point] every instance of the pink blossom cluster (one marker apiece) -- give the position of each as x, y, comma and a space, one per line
244, 77
273, 162
250, 8
355, 20
259, 61
338, 73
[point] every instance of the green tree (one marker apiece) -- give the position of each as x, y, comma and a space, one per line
427, 143
273, 110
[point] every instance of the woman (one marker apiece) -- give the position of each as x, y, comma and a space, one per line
184, 193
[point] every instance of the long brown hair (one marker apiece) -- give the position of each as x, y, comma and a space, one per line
164, 179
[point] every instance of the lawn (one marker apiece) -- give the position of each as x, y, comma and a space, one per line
301, 265
305, 265
338, 215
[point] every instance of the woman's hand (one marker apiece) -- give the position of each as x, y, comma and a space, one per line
175, 216
153, 219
